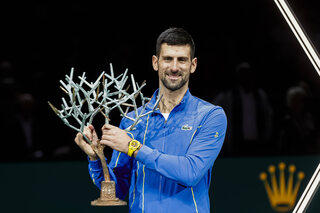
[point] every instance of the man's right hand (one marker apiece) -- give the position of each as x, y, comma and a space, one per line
91, 134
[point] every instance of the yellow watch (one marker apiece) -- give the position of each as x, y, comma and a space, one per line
133, 146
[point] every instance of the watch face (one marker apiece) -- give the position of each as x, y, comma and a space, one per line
134, 144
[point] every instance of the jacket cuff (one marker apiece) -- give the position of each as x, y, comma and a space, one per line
145, 154
94, 164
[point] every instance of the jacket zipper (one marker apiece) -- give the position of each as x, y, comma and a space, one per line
162, 150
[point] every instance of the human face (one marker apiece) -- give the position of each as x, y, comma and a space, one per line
174, 66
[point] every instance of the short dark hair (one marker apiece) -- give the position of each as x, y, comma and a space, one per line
175, 36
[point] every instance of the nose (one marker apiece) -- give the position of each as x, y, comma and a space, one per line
174, 65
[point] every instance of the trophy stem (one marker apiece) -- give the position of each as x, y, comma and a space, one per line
103, 159
108, 187
105, 169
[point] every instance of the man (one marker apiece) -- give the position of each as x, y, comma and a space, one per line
170, 169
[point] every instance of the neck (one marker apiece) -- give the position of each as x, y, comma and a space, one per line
170, 99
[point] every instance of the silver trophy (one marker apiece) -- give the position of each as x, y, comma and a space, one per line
86, 100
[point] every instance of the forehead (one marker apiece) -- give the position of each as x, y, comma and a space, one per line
175, 50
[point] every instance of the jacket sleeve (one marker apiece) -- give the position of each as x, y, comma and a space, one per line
203, 151
119, 170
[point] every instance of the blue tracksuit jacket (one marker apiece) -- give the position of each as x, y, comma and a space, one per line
172, 170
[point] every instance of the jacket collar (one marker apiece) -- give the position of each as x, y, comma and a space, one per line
154, 97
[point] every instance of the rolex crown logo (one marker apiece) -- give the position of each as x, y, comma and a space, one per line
282, 195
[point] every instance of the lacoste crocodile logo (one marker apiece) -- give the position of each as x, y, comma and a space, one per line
186, 127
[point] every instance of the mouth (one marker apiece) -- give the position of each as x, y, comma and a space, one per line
173, 77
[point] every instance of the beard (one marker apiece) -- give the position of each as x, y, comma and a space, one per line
174, 85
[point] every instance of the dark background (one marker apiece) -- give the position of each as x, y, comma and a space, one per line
42, 40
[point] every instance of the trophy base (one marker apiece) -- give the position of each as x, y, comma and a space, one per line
108, 195
115, 202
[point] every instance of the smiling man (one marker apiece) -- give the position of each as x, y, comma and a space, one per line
166, 162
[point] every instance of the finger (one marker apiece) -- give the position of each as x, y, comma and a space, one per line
106, 137
93, 132
87, 133
106, 132
95, 142
107, 126
106, 142
91, 127
94, 136
78, 138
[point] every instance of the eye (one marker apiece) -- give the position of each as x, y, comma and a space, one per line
167, 58
183, 59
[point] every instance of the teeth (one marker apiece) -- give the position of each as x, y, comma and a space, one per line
173, 76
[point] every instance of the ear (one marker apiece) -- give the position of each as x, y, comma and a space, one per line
155, 64
194, 65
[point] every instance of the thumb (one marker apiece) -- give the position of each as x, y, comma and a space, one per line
91, 127
93, 132
107, 126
